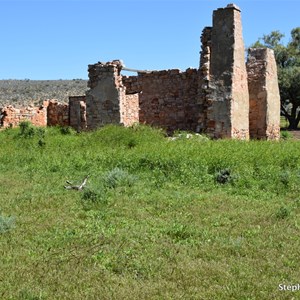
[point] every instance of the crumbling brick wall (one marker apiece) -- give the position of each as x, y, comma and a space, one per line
105, 94
169, 99
130, 109
57, 113
51, 113
264, 118
213, 99
11, 117
132, 84
130, 106
77, 112
204, 78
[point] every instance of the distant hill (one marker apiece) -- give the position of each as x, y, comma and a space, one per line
20, 93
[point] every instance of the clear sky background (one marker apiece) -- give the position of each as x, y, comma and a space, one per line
44, 39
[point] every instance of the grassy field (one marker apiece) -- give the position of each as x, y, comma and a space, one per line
158, 219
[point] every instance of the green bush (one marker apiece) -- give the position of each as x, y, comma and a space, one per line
118, 177
285, 177
26, 129
6, 223
224, 176
93, 195
67, 130
283, 212
285, 135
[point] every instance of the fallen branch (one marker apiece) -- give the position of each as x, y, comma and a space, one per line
76, 187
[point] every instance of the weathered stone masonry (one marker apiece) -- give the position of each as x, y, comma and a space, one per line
77, 112
50, 113
105, 95
264, 119
213, 99
228, 99
224, 97
11, 116
167, 99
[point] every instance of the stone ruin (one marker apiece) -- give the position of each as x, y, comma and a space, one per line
50, 113
225, 97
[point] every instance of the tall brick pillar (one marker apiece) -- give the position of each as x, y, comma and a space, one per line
228, 98
105, 94
264, 119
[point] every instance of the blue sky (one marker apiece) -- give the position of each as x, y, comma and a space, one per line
57, 39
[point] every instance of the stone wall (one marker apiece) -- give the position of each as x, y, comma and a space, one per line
204, 78
105, 94
77, 112
130, 109
132, 84
228, 99
51, 113
213, 99
57, 113
168, 99
11, 117
264, 118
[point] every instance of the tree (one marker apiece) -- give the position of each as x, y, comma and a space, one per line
288, 66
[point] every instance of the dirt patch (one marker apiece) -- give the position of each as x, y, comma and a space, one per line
296, 134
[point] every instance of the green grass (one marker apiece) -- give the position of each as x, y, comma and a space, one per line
284, 123
158, 219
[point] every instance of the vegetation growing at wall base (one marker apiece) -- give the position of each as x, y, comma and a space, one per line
158, 219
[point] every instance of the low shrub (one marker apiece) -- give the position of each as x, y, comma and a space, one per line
224, 176
94, 195
283, 212
6, 223
118, 177
285, 177
67, 130
285, 135
26, 129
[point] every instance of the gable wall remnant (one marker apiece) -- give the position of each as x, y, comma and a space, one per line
228, 100
264, 119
